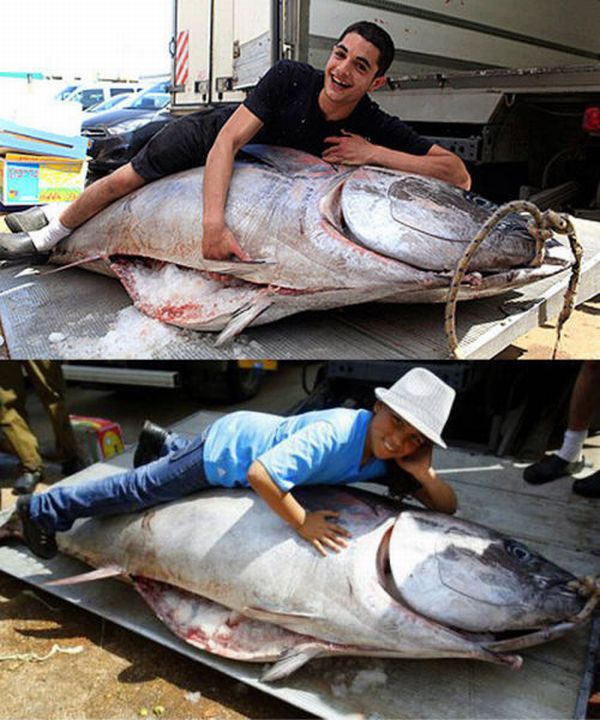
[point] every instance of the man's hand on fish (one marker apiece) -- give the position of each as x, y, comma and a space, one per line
320, 532
349, 149
219, 243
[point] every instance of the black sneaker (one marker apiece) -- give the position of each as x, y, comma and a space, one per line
27, 220
41, 542
549, 468
25, 484
150, 443
19, 246
588, 486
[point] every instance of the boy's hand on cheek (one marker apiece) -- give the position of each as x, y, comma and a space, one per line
418, 463
321, 533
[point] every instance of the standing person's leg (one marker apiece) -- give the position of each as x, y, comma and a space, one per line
585, 399
176, 474
14, 424
581, 415
49, 383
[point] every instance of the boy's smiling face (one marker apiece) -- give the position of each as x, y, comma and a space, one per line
389, 436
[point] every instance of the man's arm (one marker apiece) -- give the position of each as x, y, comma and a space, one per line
351, 149
218, 242
312, 526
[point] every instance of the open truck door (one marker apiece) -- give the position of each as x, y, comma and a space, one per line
221, 48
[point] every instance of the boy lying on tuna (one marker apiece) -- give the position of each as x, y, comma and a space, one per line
272, 455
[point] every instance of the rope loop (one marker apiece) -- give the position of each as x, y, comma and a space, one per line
542, 226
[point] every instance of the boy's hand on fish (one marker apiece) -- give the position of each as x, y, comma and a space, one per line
219, 243
349, 149
321, 533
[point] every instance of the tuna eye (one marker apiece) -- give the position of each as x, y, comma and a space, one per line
518, 551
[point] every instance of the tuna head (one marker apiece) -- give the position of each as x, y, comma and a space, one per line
469, 577
427, 223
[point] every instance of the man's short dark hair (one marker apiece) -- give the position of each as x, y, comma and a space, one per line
378, 37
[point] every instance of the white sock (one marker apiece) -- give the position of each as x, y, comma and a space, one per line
46, 238
54, 210
572, 445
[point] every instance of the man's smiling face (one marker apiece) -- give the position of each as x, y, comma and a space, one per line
351, 70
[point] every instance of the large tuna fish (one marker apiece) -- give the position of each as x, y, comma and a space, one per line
228, 576
319, 236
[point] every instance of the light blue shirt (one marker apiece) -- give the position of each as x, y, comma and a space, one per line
320, 447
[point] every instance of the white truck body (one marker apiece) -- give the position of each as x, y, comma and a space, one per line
234, 42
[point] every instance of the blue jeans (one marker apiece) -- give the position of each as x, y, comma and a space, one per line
178, 472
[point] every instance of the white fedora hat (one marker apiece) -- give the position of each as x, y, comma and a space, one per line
422, 399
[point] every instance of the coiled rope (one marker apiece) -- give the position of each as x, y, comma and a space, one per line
542, 226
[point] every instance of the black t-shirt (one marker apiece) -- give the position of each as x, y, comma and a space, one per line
286, 100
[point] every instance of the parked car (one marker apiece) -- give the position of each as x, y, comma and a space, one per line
64, 93
115, 136
88, 95
110, 104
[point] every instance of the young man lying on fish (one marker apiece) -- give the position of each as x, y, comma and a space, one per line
326, 114
272, 455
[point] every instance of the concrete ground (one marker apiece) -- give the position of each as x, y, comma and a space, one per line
580, 338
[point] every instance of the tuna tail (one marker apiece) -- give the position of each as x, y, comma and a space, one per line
98, 574
292, 660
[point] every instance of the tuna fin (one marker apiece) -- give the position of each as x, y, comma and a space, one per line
272, 616
77, 263
234, 267
514, 662
10, 525
242, 318
98, 574
530, 639
292, 660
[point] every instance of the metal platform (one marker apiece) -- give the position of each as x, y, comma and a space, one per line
555, 678
83, 307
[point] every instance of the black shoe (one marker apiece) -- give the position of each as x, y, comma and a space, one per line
71, 466
549, 468
588, 486
150, 443
16, 246
27, 220
41, 542
25, 484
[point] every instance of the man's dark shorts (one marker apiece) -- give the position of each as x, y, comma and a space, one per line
180, 145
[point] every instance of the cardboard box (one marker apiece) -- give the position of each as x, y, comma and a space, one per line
38, 180
20, 138
97, 439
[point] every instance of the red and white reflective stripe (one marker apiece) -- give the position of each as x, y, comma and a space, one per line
182, 60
